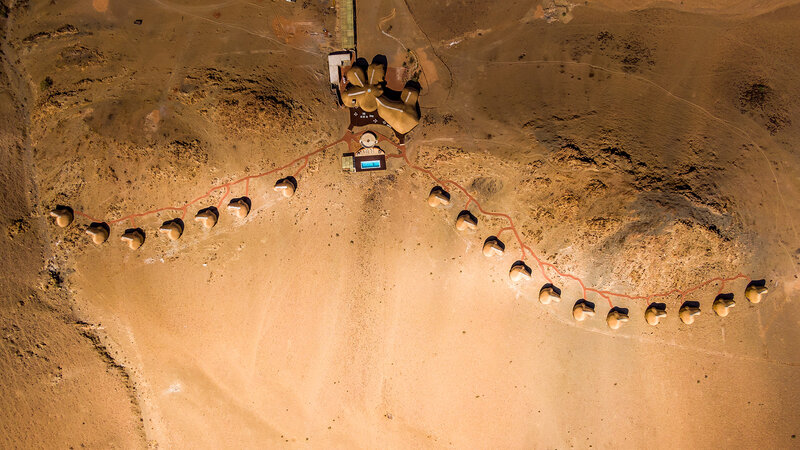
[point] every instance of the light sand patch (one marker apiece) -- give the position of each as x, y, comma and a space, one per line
100, 5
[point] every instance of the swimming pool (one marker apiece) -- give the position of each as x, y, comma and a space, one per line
370, 165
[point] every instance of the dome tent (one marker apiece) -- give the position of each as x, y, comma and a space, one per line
134, 237
286, 186
493, 247
99, 231
722, 304
582, 310
616, 317
173, 229
62, 215
549, 294
654, 313
438, 197
519, 272
689, 310
466, 221
240, 207
207, 217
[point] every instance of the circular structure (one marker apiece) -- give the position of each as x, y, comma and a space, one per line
172, 228
286, 186
519, 272
755, 293
616, 317
466, 221
63, 216
653, 314
207, 217
582, 310
438, 197
134, 237
368, 139
240, 207
722, 304
99, 232
493, 247
688, 312
549, 294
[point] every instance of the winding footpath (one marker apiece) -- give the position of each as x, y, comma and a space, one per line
526, 251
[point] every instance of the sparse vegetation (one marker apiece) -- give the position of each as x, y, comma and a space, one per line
46, 84
755, 96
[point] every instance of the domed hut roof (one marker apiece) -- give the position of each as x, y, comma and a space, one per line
654, 313
466, 221
134, 237
402, 117
99, 232
493, 247
582, 310
368, 139
549, 294
519, 272
240, 207
207, 217
722, 304
438, 197
755, 292
173, 229
286, 186
616, 317
366, 91
688, 312
62, 215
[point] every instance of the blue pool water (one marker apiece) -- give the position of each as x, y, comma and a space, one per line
370, 164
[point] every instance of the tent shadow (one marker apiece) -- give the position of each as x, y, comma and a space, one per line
553, 287
102, 225
495, 239
727, 296
246, 200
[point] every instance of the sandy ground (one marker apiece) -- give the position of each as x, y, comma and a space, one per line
641, 146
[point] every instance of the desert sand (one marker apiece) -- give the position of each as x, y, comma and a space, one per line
632, 155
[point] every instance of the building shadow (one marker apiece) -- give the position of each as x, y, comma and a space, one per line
102, 225
551, 286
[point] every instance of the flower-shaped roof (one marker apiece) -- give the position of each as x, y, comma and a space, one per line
365, 89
